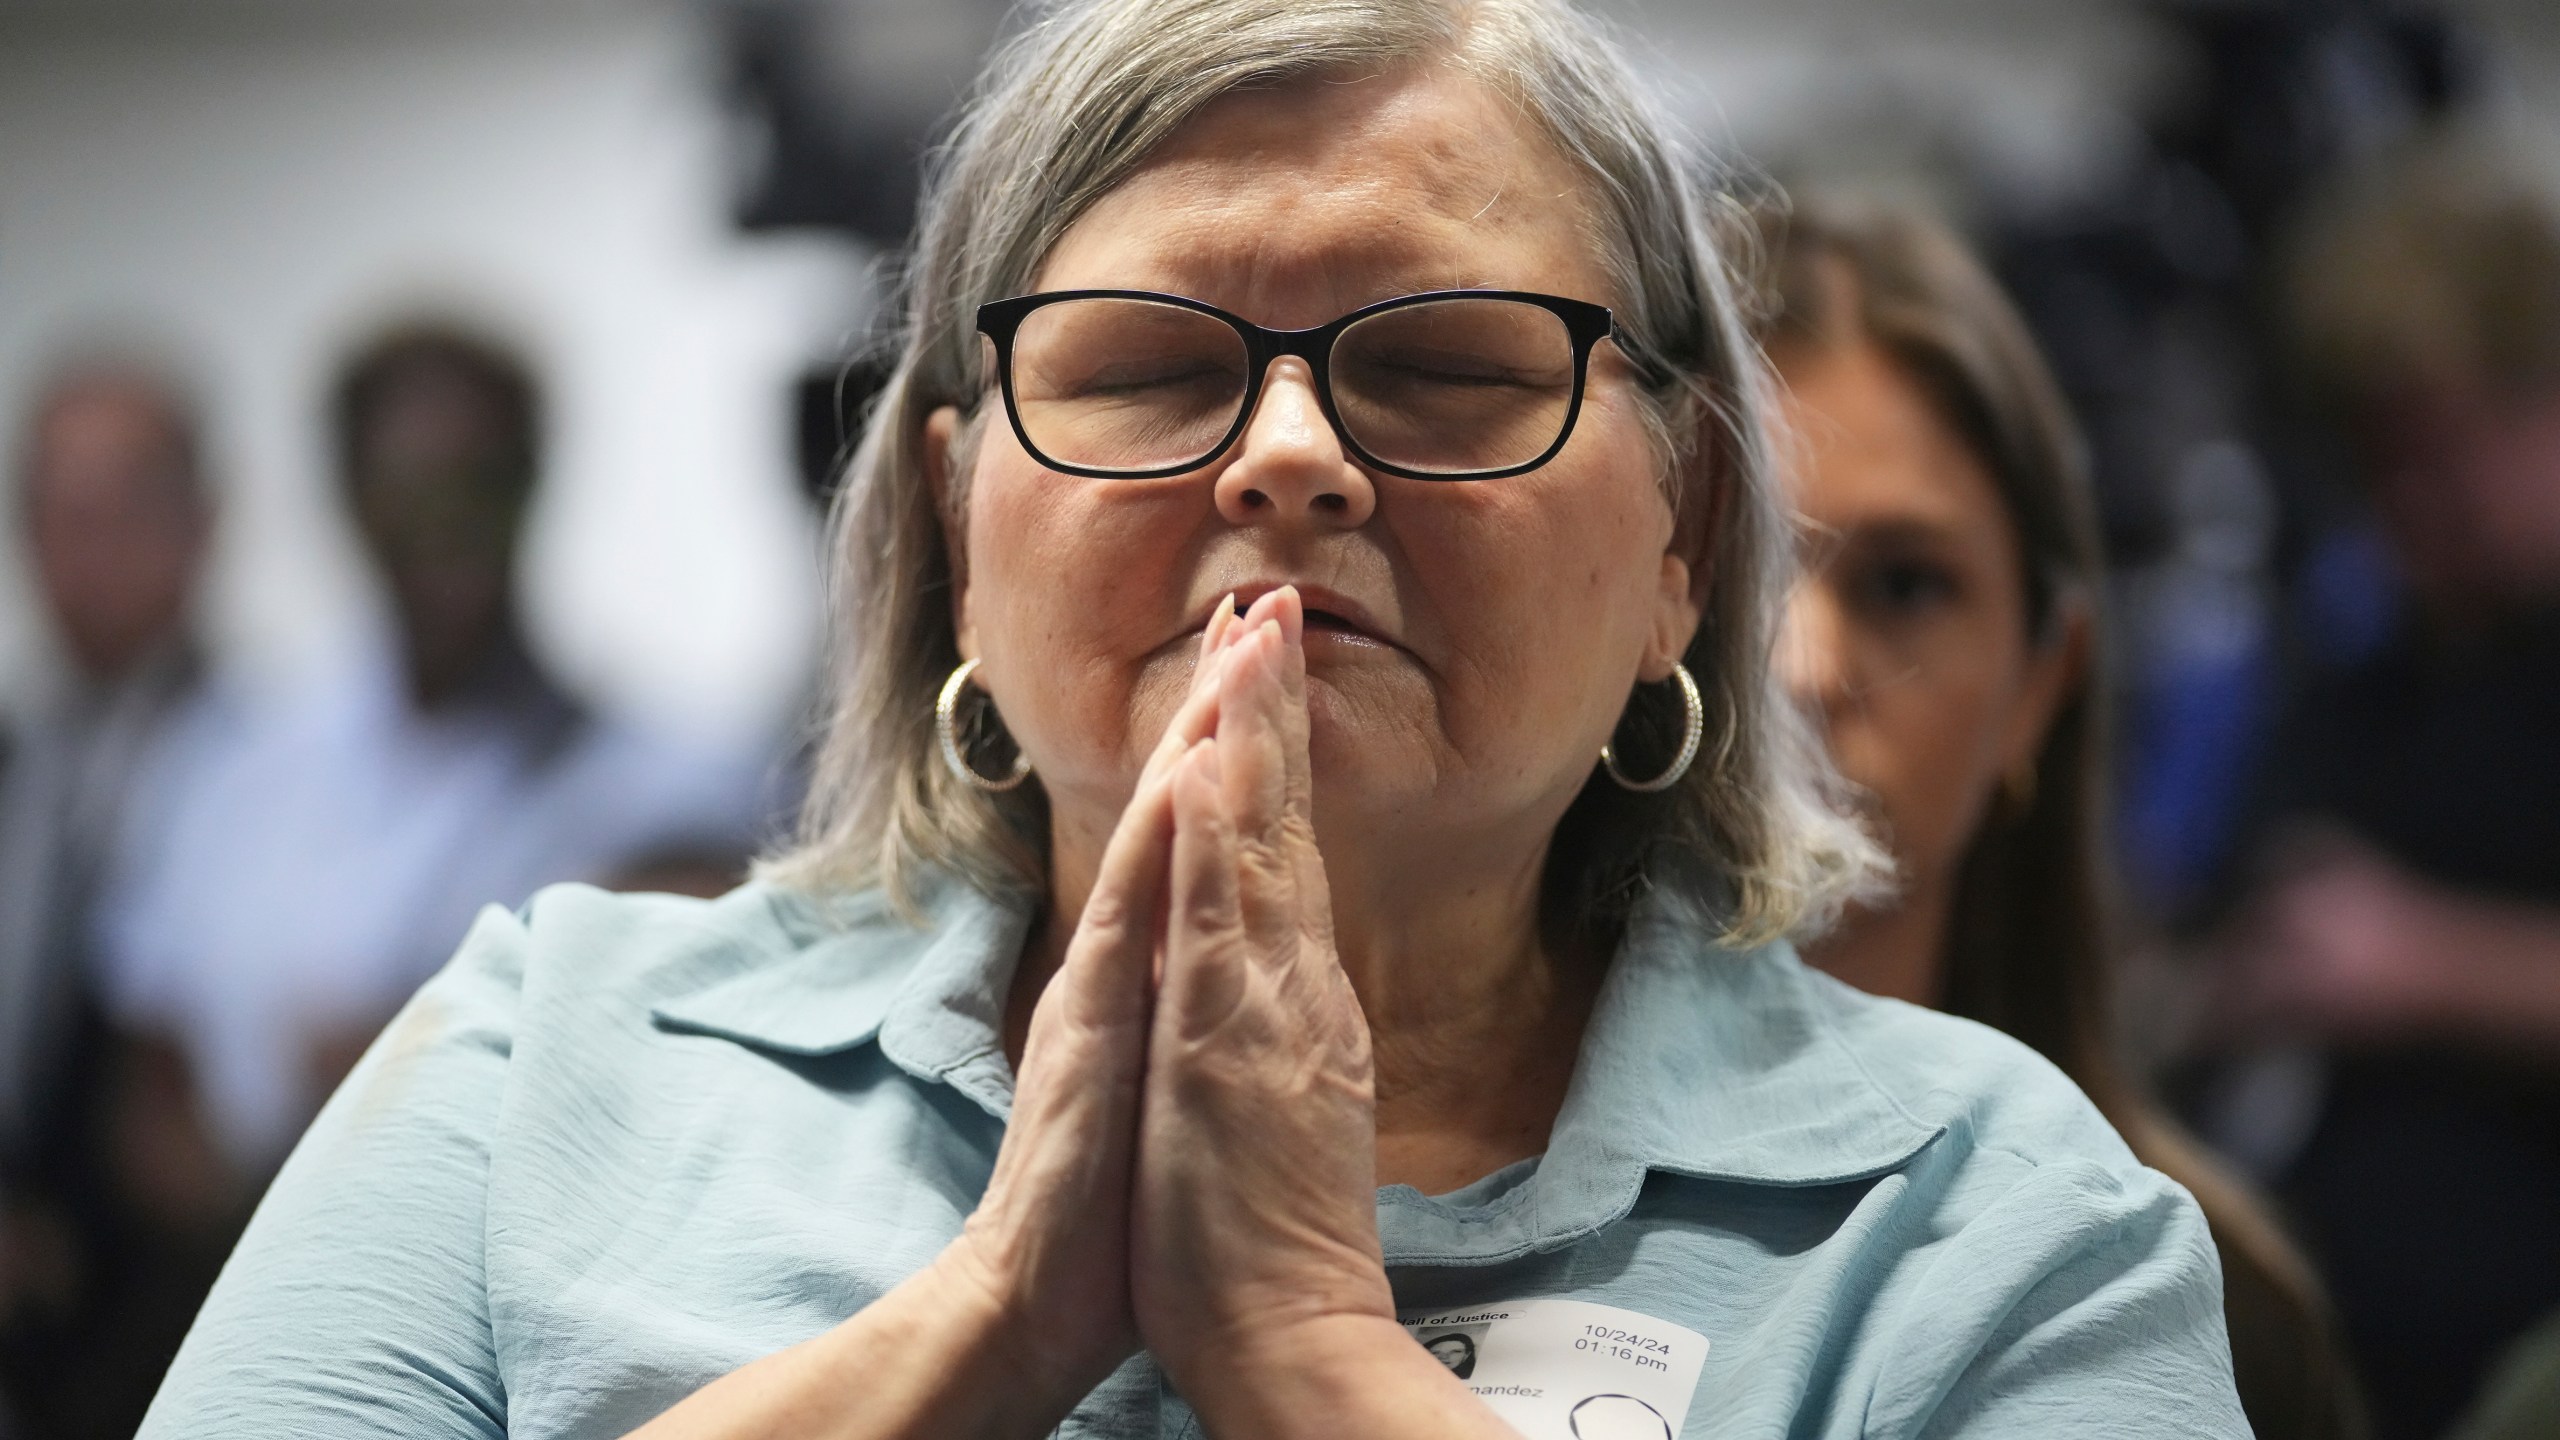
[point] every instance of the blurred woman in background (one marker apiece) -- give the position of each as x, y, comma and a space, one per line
1946, 632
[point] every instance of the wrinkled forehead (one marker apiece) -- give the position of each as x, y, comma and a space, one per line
1294, 204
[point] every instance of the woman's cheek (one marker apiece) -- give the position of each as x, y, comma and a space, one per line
1537, 629
1073, 590
1938, 738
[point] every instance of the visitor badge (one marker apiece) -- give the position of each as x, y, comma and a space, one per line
1568, 1369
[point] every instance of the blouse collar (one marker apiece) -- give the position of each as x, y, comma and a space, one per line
1700, 1060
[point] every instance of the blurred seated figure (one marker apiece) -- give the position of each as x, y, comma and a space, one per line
114, 517
1946, 634
315, 859
2404, 921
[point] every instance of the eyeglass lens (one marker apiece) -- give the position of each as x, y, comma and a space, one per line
1454, 386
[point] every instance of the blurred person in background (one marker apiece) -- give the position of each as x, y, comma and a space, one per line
2405, 918
1946, 634
115, 518
316, 858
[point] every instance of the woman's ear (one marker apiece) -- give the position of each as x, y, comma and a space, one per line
1677, 606
940, 447
1688, 565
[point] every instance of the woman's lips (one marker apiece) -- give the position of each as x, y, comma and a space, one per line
1326, 631
1331, 615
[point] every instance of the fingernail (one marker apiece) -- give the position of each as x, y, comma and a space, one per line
1292, 614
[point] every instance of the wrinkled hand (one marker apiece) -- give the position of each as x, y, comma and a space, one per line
1049, 1242
1254, 1214
1191, 1157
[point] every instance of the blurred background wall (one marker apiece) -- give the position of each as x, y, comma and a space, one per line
245, 187
674, 206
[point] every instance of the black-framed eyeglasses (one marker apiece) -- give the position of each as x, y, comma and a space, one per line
1448, 385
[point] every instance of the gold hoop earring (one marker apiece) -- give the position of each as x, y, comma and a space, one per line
1694, 729
946, 723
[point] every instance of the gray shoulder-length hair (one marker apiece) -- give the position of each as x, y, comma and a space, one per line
1065, 112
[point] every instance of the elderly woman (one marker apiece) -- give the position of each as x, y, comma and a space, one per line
1292, 872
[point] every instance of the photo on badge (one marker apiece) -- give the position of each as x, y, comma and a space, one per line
1454, 1346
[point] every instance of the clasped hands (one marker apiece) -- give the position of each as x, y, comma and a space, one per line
1190, 1164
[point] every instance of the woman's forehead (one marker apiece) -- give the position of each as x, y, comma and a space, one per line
1877, 456
1315, 198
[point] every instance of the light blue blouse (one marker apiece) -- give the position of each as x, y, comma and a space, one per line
621, 1146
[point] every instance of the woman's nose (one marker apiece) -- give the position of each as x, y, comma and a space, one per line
1290, 468
1813, 657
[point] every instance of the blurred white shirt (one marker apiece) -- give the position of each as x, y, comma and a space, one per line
300, 867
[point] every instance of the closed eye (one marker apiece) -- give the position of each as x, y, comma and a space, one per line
1130, 380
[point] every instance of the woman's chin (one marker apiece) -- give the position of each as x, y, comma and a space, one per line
1369, 757
1365, 699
